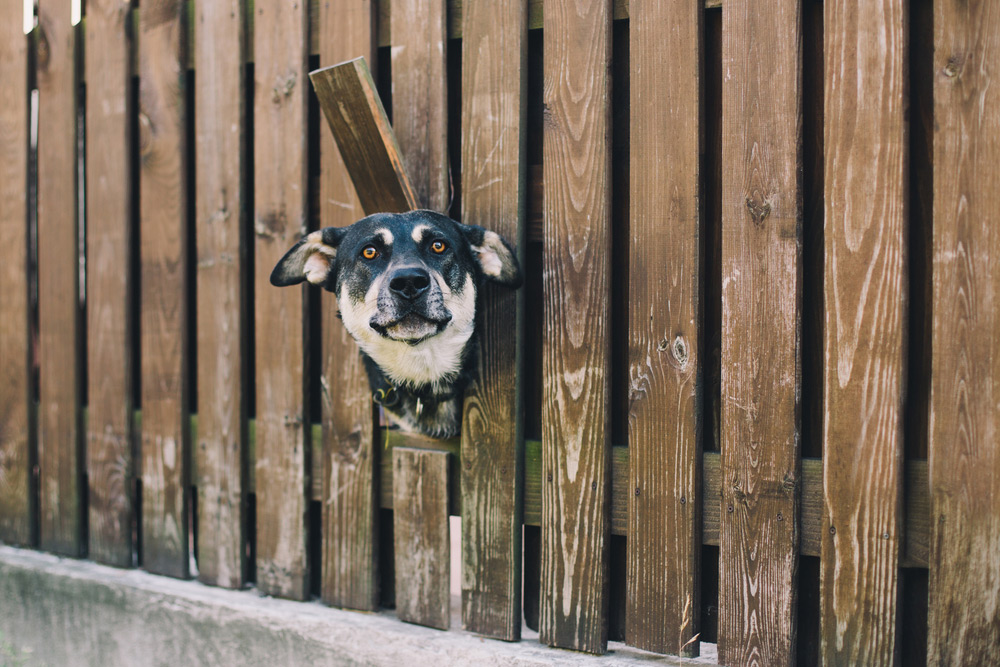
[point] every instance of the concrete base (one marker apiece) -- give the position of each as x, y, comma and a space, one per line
69, 612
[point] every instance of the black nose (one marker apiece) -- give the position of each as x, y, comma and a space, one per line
410, 283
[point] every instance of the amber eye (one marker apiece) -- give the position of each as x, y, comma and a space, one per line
438, 247
369, 252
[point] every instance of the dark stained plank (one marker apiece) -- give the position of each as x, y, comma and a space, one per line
349, 452
865, 237
15, 505
964, 608
420, 535
420, 94
221, 210
576, 451
664, 358
494, 50
59, 437
279, 221
761, 307
367, 144
164, 310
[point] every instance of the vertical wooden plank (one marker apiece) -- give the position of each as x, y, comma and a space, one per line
59, 443
664, 546
220, 455
110, 469
865, 238
494, 78
964, 624
420, 97
15, 475
420, 534
576, 282
163, 310
279, 221
761, 304
350, 549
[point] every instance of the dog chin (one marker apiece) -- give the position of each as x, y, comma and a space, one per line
411, 329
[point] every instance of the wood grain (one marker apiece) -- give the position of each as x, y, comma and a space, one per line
761, 308
964, 609
350, 455
420, 97
221, 231
60, 354
279, 221
421, 536
163, 313
494, 54
15, 487
664, 358
865, 236
576, 355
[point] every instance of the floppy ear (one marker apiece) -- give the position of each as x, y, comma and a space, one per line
310, 259
495, 256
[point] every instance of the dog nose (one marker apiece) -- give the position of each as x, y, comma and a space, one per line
410, 283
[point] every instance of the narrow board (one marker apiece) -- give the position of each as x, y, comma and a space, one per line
494, 77
16, 507
576, 447
163, 311
59, 439
420, 94
761, 307
110, 467
221, 231
420, 534
664, 356
280, 221
350, 457
865, 238
963, 626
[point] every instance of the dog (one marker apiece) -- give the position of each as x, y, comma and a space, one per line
406, 286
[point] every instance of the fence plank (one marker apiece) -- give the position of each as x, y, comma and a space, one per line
279, 221
576, 450
163, 312
59, 442
350, 457
865, 240
420, 93
965, 385
664, 548
220, 454
420, 533
15, 474
494, 52
761, 304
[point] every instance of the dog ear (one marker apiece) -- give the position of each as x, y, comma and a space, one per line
495, 256
310, 259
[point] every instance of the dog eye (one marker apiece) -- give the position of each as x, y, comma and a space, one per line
438, 247
369, 252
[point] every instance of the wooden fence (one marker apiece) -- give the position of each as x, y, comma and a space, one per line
746, 395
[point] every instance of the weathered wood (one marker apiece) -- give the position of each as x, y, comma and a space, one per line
420, 97
761, 304
221, 233
368, 148
279, 221
494, 72
576, 280
663, 349
865, 246
964, 610
421, 536
16, 507
59, 351
350, 455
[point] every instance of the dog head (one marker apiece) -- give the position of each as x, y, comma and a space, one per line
406, 287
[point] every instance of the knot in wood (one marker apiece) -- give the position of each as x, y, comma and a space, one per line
954, 66
759, 208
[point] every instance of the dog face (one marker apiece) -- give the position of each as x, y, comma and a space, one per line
406, 287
